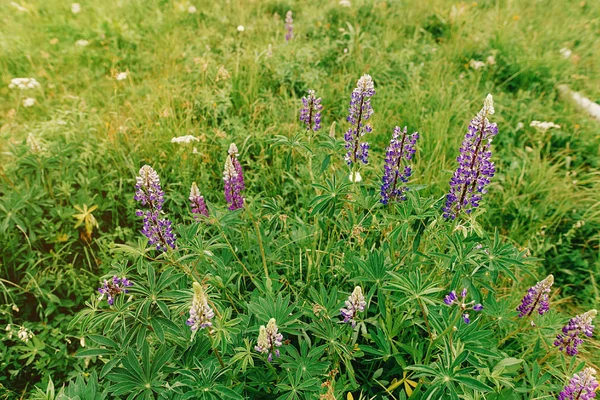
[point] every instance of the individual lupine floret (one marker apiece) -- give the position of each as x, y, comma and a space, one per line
356, 303
570, 338
536, 297
452, 299
150, 194
289, 26
582, 386
197, 202
475, 168
269, 339
310, 113
359, 112
112, 288
201, 313
402, 147
233, 178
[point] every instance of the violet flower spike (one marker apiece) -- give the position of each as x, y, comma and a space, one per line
572, 333
452, 299
111, 289
289, 26
310, 113
536, 297
356, 303
359, 112
200, 312
233, 179
582, 386
475, 170
269, 339
395, 176
197, 202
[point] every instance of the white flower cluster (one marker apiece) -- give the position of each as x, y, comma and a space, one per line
23, 83
544, 126
184, 139
23, 333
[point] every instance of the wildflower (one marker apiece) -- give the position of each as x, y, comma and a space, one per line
565, 52
222, 74
200, 312
185, 139
490, 60
24, 334
240, 28
544, 126
356, 303
452, 299
121, 76
23, 83
28, 102
474, 166
570, 339
310, 113
345, 3
197, 202
113, 288
75, 8
289, 26
360, 111
582, 386
536, 297
268, 339
401, 147
33, 144
233, 179
476, 65
192, 10
355, 177
150, 194
82, 42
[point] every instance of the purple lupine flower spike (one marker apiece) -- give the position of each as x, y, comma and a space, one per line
356, 303
200, 313
289, 26
570, 338
233, 178
150, 194
475, 170
310, 113
197, 202
402, 147
536, 297
359, 112
269, 339
452, 299
111, 289
582, 386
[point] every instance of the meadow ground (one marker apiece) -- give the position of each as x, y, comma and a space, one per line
119, 79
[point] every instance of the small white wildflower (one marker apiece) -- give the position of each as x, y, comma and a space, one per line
345, 50
121, 76
195, 151
14, 306
24, 334
520, 126
544, 126
240, 28
491, 60
23, 83
475, 64
82, 42
82, 342
345, 3
75, 8
192, 10
565, 52
355, 177
28, 102
185, 139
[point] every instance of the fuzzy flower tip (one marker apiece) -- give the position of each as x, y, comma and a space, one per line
269, 339
475, 170
289, 26
197, 202
359, 112
395, 175
570, 338
310, 114
582, 386
536, 298
200, 312
149, 193
356, 303
452, 299
233, 179
112, 288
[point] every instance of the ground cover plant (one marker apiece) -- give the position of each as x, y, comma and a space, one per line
295, 200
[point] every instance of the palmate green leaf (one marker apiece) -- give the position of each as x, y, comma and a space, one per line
473, 383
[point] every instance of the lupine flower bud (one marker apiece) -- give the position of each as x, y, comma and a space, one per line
200, 312
233, 179
402, 147
269, 339
289, 26
197, 202
475, 169
310, 113
451, 299
111, 289
582, 386
536, 297
359, 112
570, 339
356, 303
